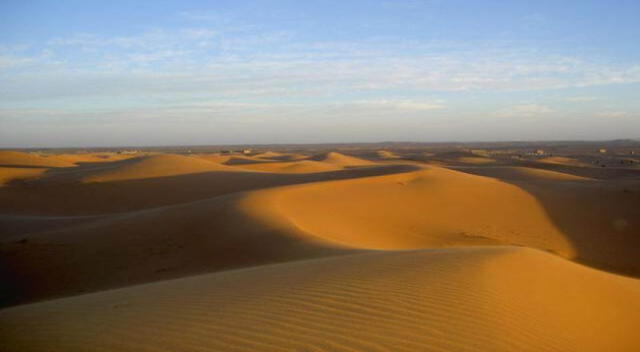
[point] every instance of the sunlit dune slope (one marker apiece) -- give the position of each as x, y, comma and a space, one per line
9, 174
385, 154
302, 166
561, 160
214, 157
94, 157
432, 207
19, 159
158, 166
464, 299
339, 159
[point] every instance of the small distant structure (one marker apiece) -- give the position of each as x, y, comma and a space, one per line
246, 151
602, 151
540, 152
127, 152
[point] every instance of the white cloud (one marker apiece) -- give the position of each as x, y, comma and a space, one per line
524, 110
400, 105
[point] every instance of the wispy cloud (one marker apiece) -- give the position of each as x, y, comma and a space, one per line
524, 110
581, 99
613, 114
218, 68
399, 105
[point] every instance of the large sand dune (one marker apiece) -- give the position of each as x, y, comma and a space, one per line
158, 166
439, 207
466, 299
87, 223
339, 159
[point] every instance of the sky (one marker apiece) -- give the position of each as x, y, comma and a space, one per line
141, 73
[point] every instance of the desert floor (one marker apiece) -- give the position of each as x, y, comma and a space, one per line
356, 250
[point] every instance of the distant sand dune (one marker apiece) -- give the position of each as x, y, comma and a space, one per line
158, 166
339, 159
19, 159
471, 299
280, 156
302, 166
561, 160
475, 160
385, 154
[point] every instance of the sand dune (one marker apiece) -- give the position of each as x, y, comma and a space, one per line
197, 219
302, 166
471, 299
157, 166
94, 158
590, 222
385, 154
10, 174
561, 160
101, 223
95, 253
19, 159
339, 159
440, 207
243, 160
269, 155
475, 160
524, 173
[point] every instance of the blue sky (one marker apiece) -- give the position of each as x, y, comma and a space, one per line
83, 73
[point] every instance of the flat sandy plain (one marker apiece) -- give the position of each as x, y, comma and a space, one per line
356, 250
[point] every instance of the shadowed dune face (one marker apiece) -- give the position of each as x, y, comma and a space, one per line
599, 218
149, 245
472, 299
191, 224
117, 191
